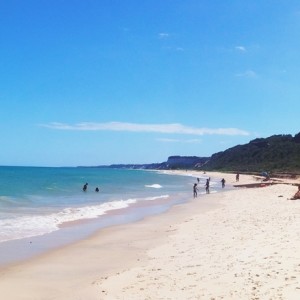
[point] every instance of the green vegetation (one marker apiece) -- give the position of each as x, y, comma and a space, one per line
278, 153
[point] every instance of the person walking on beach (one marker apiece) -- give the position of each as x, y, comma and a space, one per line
207, 186
85, 187
237, 177
223, 182
195, 190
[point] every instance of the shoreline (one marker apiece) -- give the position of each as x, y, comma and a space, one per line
184, 252
19, 250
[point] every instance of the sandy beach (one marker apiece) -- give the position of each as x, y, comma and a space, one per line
238, 244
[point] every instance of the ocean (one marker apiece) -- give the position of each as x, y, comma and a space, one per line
47, 207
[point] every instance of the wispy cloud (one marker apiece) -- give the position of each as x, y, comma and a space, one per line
241, 48
191, 141
163, 35
134, 127
248, 74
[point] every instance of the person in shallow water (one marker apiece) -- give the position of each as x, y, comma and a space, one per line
97, 189
223, 182
207, 186
85, 187
195, 190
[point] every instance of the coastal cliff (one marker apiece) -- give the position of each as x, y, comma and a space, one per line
277, 153
173, 163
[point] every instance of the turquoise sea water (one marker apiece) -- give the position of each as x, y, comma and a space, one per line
36, 201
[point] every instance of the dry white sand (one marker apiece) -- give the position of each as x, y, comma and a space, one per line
246, 246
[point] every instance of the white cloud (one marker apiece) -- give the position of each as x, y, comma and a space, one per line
241, 48
248, 73
163, 35
158, 128
191, 141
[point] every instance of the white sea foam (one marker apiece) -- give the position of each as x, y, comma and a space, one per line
154, 186
35, 225
156, 198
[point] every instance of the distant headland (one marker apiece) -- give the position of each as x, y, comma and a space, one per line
277, 153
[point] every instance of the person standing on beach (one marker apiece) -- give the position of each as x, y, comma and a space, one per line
195, 190
223, 183
237, 177
207, 186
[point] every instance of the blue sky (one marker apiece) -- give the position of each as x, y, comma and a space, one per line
102, 82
